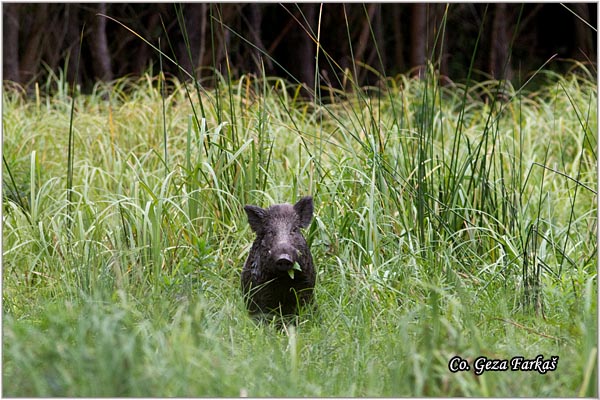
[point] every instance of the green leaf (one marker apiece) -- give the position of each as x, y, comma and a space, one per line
296, 267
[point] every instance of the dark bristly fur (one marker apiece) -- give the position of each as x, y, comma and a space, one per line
278, 247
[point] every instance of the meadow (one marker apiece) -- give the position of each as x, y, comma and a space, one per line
454, 219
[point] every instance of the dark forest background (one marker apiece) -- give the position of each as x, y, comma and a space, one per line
389, 38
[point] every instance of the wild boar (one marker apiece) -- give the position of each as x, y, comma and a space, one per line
279, 274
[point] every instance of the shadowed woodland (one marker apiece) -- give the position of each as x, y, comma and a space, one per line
506, 40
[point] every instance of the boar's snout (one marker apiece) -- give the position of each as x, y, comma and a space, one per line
283, 257
284, 262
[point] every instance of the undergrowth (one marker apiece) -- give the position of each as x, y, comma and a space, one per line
443, 227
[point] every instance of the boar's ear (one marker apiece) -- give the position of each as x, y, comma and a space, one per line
304, 209
255, 217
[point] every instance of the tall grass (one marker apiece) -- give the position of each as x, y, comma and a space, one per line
449, 221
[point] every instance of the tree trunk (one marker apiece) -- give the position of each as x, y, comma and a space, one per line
31, 57
10, 53
73, 38
500, 67
202, 40
379, 41
363, 38
189, 60
306, 49
99, 47
398, 38
438, 32
255, 17
223, 15
418, 52
584, 48
140, 62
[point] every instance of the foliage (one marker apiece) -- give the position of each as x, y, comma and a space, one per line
449, 220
